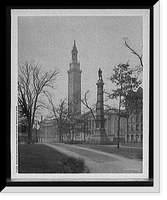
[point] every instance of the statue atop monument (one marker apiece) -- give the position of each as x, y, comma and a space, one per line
100, 73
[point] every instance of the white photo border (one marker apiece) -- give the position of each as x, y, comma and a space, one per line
14, 74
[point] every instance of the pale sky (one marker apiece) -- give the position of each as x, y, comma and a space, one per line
99, 40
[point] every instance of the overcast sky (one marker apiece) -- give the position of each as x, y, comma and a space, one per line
99, 40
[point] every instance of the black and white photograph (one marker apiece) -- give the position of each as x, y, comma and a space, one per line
80, 95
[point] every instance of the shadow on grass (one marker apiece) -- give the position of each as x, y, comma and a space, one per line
38, 158
75, 165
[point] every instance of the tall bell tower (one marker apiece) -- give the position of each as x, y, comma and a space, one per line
74, 83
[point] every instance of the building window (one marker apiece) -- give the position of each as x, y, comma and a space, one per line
132, 128
89, 124
127, 137
133, 119
137, 118
141, 118
141, 127
122, 131
97, 124
128, 128
77, 134
137, 127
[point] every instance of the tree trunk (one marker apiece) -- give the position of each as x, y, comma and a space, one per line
118, 130
127, 128
62, 136
59, 136
72, 134
84, 135
119, 119
29, 134
84, 129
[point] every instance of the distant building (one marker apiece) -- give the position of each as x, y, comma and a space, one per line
135, 128
131, 133
74, 83
84, 129
48, 131
135, 121
110, 125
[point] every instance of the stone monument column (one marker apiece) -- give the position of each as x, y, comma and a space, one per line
99, 105
100, 136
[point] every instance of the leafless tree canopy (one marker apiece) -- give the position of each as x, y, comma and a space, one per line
60, 114
32, 82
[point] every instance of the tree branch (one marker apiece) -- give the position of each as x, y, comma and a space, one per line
134, 52
85, 102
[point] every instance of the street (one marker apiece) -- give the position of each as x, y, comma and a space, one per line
98, 161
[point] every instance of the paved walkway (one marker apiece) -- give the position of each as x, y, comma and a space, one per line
100, 162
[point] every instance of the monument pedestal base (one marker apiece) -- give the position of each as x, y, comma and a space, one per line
100, 137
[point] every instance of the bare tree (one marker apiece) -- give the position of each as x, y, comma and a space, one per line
85, 103
32, 83
140, 57
60, 114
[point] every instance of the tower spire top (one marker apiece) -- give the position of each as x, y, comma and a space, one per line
74, 52
74, 49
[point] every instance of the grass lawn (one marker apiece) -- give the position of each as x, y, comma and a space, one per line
132, 153
38, 158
